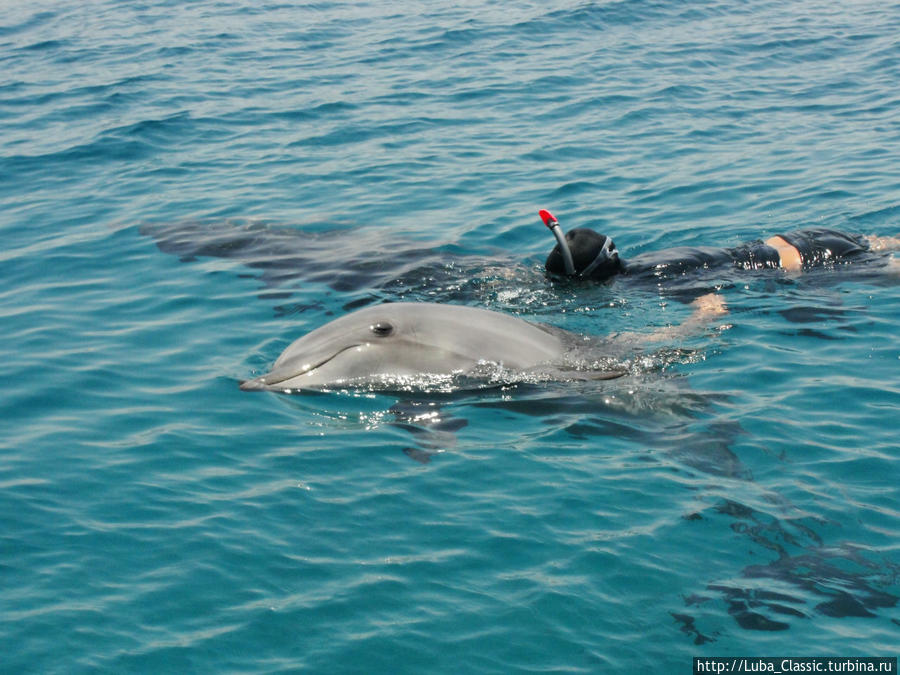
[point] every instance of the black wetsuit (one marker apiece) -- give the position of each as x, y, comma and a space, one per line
817, 247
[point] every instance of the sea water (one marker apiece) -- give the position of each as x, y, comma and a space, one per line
187, 187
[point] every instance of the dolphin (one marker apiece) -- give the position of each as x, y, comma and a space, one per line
404, 345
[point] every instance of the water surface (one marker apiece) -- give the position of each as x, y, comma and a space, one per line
187, 187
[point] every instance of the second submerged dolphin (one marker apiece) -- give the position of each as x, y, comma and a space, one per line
417, 345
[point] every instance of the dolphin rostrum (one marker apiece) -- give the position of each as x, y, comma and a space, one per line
398, 346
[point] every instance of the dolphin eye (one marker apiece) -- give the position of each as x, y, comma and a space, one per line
382, 328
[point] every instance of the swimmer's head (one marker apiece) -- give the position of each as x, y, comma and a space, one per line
594, 256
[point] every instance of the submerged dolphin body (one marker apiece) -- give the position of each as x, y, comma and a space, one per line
415, 345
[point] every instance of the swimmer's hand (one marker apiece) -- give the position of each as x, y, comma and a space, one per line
709, 306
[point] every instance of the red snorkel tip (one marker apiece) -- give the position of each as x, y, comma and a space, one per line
548, 218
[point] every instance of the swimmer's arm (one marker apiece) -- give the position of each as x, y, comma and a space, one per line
706, 308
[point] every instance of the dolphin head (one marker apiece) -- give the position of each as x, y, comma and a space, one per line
383, 344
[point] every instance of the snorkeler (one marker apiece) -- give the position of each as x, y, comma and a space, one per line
584, 254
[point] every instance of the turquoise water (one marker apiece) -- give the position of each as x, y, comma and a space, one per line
186, 187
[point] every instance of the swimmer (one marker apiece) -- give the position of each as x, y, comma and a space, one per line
584, 254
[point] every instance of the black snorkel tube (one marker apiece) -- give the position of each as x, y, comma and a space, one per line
582, 253
551, 221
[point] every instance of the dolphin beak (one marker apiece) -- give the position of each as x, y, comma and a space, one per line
295, 366
269, 381
256, 384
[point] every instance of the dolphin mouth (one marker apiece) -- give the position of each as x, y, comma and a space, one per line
272, 379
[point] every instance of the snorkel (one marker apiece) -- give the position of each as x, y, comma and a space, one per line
551, 221
581, 253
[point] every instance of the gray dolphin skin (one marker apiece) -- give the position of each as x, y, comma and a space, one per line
396, 342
